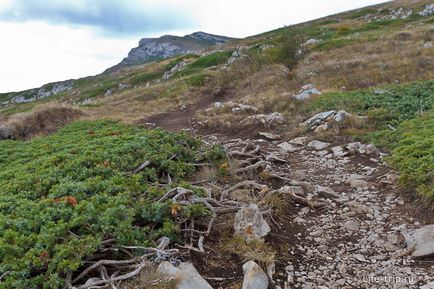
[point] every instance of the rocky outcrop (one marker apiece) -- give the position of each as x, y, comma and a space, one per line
428, 10
178, 67
151, 49
38, 93
323, 121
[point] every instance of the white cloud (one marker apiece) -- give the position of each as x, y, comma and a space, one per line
35, 53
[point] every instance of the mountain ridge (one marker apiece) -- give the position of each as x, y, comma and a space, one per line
151, 49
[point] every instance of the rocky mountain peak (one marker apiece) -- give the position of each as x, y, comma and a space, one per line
151, 49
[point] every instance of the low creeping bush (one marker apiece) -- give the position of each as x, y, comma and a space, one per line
62, 195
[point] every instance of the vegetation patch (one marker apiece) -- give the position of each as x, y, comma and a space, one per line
401, 119
64, 195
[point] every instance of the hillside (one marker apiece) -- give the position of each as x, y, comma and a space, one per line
302, 157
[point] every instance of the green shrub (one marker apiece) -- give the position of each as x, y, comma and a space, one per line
144, 77
62, 195
414, 155
362, 13
213, 59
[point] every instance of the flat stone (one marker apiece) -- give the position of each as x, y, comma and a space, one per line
359, 184
288, 148
300, 141
351, 225
318, 145
269, 136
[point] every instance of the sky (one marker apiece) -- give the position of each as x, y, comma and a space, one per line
44, 41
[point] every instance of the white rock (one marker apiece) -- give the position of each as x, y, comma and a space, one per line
286, 147
185, 274
351, 225
428, 286
319, 118
269, 136
250, 223
338, 152
254, 276
318, 145
342, 115
306, 94
423, 240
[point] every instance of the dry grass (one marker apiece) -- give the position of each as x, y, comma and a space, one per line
210, 174
149, 278
44, 119
399, 57
256, 250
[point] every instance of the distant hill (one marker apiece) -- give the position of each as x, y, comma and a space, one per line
151, 49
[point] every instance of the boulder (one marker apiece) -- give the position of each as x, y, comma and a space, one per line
422, 240
318, 119
318, 145
254, 276
185, 274
250, 223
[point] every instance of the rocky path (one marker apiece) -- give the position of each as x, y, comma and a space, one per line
364, 234
357, 239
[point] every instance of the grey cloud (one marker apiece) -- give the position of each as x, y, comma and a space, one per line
110, 16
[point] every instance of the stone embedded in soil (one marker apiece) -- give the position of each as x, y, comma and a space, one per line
300, 141
185, 274
286, 147
270, 136
254, 276
318, 145
423, 241
250, 223
359, 184
352, 225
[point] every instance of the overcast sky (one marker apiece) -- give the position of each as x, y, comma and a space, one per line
50, 40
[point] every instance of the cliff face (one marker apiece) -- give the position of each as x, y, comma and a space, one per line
150, 49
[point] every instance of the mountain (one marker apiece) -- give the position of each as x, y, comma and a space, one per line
151, 49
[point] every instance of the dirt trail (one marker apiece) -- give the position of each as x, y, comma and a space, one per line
183, 118
351, 242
